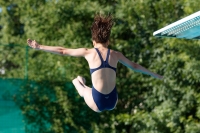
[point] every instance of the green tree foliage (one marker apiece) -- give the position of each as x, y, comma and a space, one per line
146, 105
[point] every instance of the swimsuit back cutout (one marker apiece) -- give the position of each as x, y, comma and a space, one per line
104, 64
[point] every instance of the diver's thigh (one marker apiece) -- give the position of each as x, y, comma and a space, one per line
89, 99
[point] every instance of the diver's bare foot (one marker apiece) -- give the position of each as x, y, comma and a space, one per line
33, 44
81, 80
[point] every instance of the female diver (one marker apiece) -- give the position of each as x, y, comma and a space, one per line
102, 63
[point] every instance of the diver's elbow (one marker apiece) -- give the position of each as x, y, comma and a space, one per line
63, 52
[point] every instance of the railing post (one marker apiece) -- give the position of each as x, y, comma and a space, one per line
26, 64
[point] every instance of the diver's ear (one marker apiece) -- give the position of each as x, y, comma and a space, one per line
94, 42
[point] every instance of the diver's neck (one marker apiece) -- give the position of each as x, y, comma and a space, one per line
99, 45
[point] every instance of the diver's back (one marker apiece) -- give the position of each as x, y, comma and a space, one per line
103, 65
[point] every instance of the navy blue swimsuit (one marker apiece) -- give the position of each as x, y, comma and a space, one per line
104, 101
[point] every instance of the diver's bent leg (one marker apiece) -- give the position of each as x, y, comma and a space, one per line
85, 92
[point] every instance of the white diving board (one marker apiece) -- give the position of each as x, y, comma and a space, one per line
187, 28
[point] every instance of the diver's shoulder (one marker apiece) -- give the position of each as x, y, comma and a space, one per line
115, 52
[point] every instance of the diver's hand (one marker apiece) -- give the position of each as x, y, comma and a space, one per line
33, 44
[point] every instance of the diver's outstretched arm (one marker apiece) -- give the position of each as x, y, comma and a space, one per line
136, 67
58, 50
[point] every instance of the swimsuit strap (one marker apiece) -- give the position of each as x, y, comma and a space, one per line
104, 64
107, 57
99, 55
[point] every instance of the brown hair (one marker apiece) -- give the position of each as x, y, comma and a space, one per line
101, 28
